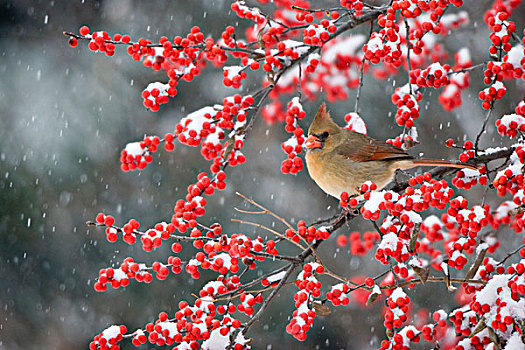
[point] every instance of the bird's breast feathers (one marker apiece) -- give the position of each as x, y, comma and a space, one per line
336, 174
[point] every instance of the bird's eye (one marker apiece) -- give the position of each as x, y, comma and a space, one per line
325, 135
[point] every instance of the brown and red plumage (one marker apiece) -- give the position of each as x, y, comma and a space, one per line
340, 160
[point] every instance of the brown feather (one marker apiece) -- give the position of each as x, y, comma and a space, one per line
444, 163
362, 148
321, 112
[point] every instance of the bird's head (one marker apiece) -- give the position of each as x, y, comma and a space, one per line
323, 133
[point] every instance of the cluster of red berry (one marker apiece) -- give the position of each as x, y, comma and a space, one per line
309, 288
294, 145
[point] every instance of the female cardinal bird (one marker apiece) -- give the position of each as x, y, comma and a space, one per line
340, 160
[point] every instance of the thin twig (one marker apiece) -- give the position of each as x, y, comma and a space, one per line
407, 28
257, 280
511, 254
361, 73
294, 7
299, 90
476, 263
486, 191
263, 307
363, 285
245, 292
276, 256
251, 201
478, 137
433, 279
468, 69
378, 229
256, 109
278, 234
323, 221
250, 212
396, 280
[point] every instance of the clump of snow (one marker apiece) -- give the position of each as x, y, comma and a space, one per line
276, 277
515, 342
389, 241
134, 149
347, 46
111, 332
454, 19
516, 55
355, 123
376, 198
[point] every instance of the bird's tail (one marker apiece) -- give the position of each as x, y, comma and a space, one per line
444, 163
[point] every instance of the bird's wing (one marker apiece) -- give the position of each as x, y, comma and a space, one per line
362, 148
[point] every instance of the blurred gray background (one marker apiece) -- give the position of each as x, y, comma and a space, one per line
65, 114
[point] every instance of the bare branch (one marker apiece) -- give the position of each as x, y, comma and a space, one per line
511, 254
361, 73
476, 264
250, 212
263, 307
278, 234
251, 201
483, 127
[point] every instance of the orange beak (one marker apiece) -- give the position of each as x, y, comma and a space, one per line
313, 142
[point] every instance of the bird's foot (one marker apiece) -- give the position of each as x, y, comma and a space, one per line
348, 213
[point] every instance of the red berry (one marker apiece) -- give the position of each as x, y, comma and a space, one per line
84, 30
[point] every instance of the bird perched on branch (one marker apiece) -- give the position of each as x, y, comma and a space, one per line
340, 160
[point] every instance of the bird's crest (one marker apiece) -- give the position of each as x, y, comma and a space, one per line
323, 122
322, 114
